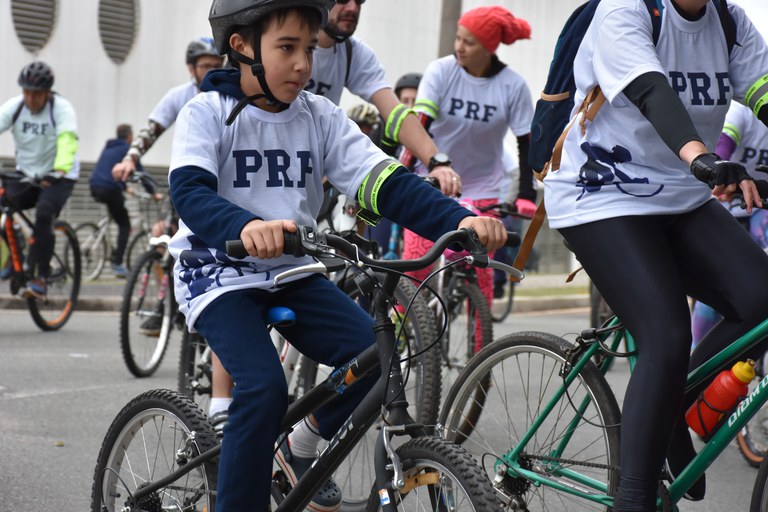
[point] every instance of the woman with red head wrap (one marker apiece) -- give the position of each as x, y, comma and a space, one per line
469, 100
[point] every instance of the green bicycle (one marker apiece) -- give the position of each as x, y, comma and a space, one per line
549, 431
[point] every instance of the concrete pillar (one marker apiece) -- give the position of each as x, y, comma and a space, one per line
451, 10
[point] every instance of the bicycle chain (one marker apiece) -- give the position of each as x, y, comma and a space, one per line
570, 462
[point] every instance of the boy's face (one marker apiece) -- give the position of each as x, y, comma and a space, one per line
287, 50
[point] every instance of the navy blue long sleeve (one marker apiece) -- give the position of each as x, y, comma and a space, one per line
409, 201
194, 192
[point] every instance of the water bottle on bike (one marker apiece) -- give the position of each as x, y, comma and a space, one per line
728, 389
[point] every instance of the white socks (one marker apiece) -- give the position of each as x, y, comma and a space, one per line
218, 405
304, 440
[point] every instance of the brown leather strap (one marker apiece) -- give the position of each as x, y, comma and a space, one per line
589, 107
528, 239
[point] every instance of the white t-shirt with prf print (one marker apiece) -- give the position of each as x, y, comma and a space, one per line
366, 74
619, 165
473, 117
271, 164
169, 106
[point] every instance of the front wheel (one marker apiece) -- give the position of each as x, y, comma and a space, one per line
146, 315
438, 475
155, 434
575, 448
63, 281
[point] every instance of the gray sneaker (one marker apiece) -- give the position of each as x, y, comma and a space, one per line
327, 499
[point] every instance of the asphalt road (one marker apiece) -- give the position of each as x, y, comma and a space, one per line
60, 391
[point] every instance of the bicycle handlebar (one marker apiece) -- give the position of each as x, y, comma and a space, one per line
307, 241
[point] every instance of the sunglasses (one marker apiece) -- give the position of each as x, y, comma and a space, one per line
345, 2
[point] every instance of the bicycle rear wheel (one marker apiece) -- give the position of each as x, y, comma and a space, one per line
440, 475
51, 313
506, 308
146, 315
136, 247
94, 249
195, 369
523, 371
155, 434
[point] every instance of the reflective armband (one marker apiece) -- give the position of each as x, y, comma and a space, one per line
395, 122
66, 147
426, 107
367, 194
733, 132
757, 95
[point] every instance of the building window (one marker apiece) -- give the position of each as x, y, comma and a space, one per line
117, 27
33, 21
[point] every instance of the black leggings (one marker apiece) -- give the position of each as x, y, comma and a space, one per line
115, 201
645, 267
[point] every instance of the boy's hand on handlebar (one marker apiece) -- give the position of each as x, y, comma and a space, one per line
450, 182
490, 231
747, 189
264, 238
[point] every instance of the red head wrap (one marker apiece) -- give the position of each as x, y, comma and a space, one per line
494, 25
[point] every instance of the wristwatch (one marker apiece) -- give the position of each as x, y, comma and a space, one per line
437, 160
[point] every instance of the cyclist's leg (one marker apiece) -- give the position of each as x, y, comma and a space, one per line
331, 329
715, 273
115, 201
415, 247
632, 263
49, 204
234, 327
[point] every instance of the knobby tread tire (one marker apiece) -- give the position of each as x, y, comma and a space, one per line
181, 407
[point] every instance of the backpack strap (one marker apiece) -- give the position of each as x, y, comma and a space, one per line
17, 113
729, 25
530, 236
655, 9
348, 45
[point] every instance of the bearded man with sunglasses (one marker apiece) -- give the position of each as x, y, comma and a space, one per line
342, 60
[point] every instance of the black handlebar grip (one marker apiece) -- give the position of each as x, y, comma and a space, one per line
513, 239
235, 249
293, 244
762, 189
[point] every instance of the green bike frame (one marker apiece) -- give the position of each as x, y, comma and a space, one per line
594, 490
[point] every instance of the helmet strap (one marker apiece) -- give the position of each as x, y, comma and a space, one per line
257, 68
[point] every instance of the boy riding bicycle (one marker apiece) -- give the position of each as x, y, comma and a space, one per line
249, 157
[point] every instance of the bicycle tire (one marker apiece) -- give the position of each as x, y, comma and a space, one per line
468, 307
752, 440
153, 435
137, 246
194, 376
147, 294
510, 297
440, 475
759, 502
63, 281
523, 370
94, 249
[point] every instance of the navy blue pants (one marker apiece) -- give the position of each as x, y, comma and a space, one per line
115, 201
645, 267
330, 329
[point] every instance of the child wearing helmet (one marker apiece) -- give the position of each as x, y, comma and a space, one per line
248, 161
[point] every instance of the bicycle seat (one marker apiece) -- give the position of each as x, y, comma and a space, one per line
280, 316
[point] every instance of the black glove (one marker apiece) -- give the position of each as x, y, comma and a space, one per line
713, 171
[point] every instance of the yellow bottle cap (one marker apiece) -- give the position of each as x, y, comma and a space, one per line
744, 371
